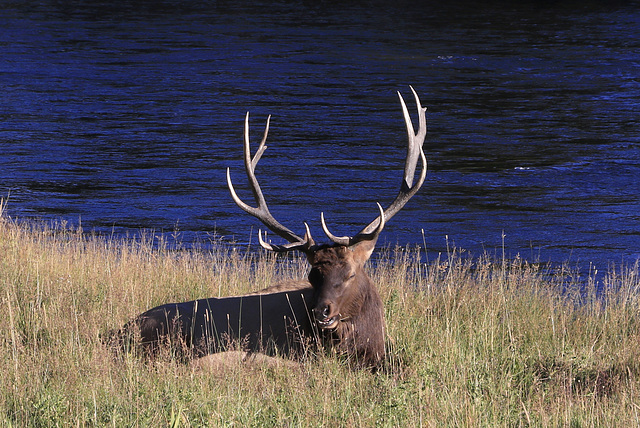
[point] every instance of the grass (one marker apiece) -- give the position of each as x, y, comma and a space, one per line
479, 342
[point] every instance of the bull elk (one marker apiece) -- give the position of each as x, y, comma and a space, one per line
338, 307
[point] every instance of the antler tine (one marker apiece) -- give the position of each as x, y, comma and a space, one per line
303, 245
414, 148
407, 189
261, 147
261, 212
347, 240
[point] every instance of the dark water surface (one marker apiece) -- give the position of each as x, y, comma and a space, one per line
125, 116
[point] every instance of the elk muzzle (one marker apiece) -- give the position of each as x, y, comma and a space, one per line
325, 316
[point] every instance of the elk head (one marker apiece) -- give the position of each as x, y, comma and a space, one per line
345, 300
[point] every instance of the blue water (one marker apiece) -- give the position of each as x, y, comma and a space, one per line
125, 116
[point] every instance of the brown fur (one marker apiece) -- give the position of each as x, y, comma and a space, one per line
290, 285
344, 290
284, 319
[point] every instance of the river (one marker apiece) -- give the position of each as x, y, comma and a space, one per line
122, 116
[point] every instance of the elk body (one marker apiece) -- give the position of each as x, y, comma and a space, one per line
339, 307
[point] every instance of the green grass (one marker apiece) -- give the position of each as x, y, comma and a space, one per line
479, 342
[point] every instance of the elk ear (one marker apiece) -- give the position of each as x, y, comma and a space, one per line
363, 250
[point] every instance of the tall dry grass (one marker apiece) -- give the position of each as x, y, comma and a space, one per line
472, 342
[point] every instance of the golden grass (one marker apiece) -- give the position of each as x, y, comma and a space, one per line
471, 342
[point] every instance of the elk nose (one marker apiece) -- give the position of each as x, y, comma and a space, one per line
322, 312
325, 312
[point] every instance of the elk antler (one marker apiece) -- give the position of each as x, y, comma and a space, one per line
407, 190
373, 229
261, 212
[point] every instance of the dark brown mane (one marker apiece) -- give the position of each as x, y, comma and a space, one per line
360, 332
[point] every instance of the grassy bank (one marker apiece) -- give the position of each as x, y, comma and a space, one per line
472, 343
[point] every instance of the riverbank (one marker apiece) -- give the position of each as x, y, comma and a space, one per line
478, 342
